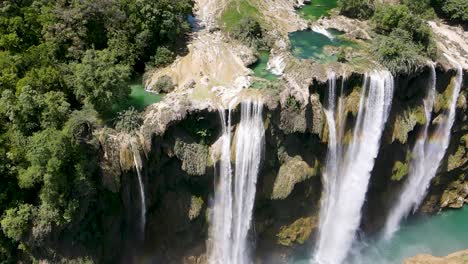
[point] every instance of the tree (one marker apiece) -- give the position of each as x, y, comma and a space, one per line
455, 10
398, 52
128, 121
249, 31
100, 80
361, 9
15, 222
406, 39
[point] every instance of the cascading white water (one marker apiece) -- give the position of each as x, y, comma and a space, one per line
249, 146
426, 156
233, 210
331, 169
137, 161
347, 176
323, 31
222, 210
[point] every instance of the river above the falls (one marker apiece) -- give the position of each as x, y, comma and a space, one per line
309, 44
438, 235
317, 9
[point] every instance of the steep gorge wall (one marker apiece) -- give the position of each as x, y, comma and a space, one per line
180, 151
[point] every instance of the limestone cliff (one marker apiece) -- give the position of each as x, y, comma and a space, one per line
179, 139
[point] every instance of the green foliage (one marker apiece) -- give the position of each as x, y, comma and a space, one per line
293, 104
455, 10
164, 84
249, 31
236, 11
199, 128
100, 80
63, 65
15, 222
405, 41
341, 55
163, 57
421, 7
398, 53
361, 9
128, 121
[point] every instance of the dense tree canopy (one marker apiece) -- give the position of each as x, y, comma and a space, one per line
362, 9
405, 39
63, 64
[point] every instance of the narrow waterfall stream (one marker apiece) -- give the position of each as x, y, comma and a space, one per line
138, 164
234, 198
427, 155
347, 176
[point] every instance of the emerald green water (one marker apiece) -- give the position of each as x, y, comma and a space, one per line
317, 9
438, 235
138, 98
310, 45
260, 67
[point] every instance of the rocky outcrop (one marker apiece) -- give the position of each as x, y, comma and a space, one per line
460, 257
293, 171
194, 156
297, 232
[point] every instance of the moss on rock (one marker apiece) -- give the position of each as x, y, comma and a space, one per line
455, 196
194, 157
293, 116
196, 204
399, 170
351, 102
443, 100
460, 157
293, 171
406, 121
297, 232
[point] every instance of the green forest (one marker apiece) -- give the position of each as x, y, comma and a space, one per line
63, 65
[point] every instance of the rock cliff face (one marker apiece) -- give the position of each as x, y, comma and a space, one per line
180, 149
455, 258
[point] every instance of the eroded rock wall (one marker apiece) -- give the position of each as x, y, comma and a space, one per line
180, 162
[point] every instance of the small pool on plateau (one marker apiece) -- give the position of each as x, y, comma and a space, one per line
317, 9
260, 67
138, 98
309, 44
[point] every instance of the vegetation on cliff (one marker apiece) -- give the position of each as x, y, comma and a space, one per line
63, 65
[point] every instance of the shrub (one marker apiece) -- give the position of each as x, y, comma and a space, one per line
406, 39
398, 52
361, 9
421, 7
15, 222
164, 84
341, 55
163, 57
292, 104
249, 31
389, 17
128, 120
455, 10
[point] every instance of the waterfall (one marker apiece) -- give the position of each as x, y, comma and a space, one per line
138, 164
426, 156
323, 31
222, 210
234, 199
347, 172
